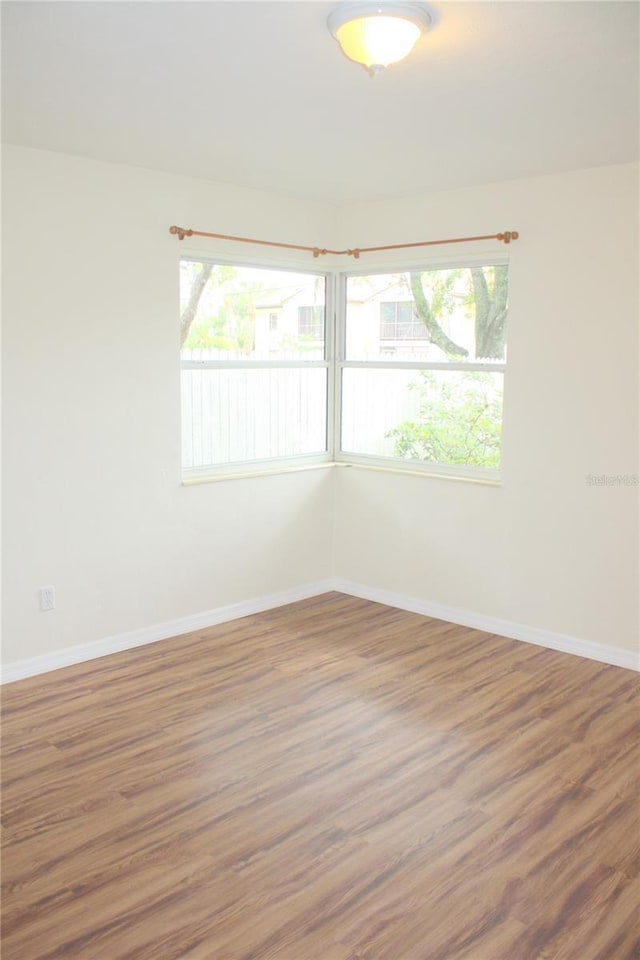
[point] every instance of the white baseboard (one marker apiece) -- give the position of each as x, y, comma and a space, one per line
159, 631
615, 656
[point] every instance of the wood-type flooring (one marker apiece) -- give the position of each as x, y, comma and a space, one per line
331, 780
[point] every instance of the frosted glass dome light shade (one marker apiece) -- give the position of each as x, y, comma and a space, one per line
377, 34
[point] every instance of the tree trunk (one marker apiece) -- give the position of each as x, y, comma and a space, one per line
437, 335
491, 313
188, 314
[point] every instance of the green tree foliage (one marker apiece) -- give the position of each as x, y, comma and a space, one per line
460, 414
459, 421
194, 277
238, 315
228, 323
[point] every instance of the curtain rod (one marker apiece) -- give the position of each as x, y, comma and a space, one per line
182, 232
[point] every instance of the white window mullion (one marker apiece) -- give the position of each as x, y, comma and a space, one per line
340, 294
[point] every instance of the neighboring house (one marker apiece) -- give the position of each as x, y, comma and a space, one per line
382, 311
290, 319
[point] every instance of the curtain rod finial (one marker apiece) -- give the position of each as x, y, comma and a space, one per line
180, 232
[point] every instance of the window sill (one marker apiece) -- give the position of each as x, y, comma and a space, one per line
429, 474
274, 471
329, 464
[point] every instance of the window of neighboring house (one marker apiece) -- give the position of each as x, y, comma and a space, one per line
435, 402
397, 321
311, 322
250, 400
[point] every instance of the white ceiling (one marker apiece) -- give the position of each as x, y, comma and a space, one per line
258, 93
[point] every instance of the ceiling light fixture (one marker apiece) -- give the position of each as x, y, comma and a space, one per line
377, 34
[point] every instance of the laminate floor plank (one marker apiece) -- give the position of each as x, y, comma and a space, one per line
331, 780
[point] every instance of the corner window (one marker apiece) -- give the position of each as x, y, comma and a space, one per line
415, 381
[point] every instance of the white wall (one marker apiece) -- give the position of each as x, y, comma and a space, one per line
544, 549
92, 493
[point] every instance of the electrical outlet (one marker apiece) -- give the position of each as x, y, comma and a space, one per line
47, 598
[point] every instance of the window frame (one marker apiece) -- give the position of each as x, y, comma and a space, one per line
398, 464
335, 363
259, 466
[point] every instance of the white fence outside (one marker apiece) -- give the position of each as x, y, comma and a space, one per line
230, 416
